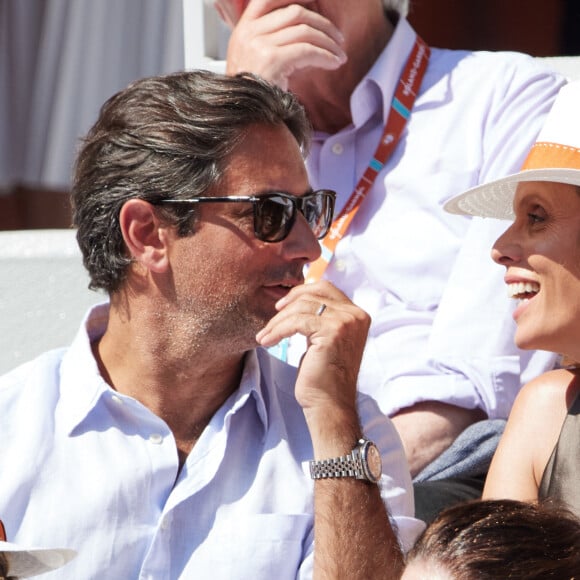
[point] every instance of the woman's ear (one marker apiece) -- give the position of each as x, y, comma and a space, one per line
144, 235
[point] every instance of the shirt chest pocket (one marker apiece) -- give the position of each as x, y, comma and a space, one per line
261, 546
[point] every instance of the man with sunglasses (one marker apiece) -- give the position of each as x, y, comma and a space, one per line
166, 442
440, 356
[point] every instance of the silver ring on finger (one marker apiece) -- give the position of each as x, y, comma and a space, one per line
321, 309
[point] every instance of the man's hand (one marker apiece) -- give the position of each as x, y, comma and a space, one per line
275, 38
336, 338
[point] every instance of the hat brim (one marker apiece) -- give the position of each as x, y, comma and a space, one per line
495, 199
24, 562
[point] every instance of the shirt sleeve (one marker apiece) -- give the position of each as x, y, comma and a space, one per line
465, 355
471, 344
396, 485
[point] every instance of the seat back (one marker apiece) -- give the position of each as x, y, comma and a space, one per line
43, 293
569, 66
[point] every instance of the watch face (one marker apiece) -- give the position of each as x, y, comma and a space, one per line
374, 462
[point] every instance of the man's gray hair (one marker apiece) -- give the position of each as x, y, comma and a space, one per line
401, 7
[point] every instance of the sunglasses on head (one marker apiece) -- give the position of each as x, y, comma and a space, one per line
275, 212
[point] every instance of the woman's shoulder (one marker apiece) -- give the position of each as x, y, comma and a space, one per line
558, 387
531, 433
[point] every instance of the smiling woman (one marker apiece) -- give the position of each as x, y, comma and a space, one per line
539, 454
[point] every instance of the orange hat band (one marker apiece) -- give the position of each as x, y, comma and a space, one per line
546, 155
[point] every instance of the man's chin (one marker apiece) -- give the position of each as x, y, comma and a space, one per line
251, 326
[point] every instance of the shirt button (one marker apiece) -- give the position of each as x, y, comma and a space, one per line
117, 399
156, 438
340, 265
337, 149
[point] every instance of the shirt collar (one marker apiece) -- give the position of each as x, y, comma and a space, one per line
376, 90
81, 382
251, 386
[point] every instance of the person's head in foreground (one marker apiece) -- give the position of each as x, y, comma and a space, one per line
498, 539
541, 249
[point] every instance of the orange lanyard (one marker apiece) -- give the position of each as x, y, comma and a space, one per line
401, 106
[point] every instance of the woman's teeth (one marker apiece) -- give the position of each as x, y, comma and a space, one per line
521, 290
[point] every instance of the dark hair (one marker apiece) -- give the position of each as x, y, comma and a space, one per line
165, 137
502, 539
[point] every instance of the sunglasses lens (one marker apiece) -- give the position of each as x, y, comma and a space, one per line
318, 209
274, 214
273, 217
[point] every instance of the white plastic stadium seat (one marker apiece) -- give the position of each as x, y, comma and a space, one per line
569, 66
43, 293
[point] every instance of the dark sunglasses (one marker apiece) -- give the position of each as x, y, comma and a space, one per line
275, 212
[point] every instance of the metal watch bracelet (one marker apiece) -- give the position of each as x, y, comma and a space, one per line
345, 466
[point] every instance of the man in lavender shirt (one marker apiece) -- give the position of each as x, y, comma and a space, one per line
440, 357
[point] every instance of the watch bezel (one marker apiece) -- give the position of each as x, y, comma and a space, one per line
369, 462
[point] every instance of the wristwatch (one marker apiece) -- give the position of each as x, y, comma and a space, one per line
363, 462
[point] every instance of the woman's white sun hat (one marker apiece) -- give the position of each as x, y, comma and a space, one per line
555, 156
24, 562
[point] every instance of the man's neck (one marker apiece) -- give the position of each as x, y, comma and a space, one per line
184, 391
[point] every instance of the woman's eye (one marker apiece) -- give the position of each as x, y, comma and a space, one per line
536, 214
535, 218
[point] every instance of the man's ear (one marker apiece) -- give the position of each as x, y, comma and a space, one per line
144, 234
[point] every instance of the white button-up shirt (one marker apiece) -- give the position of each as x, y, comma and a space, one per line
441, 320
87, 468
